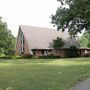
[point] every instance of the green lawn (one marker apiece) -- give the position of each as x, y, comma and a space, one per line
43, 74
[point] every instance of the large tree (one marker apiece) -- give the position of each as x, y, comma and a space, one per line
6, 38
58, 43
75, 17
85, 39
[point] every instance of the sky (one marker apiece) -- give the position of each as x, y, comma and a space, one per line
27, 12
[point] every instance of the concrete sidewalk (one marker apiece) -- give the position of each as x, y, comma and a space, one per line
84, 85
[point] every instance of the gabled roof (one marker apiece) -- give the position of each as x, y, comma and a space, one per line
41, 38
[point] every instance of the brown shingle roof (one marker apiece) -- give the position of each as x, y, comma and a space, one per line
41, 38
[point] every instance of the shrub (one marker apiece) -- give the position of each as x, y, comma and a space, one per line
72, 52
6, 57
9, 52
21, 57
58, 43
88, 45
49, 57
14, 57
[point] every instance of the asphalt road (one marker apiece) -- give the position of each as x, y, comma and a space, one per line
85, 85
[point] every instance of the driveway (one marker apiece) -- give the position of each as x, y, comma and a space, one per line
85, 85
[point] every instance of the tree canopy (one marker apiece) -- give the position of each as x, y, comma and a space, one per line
7, 42
75, 17
58, 43
85, 39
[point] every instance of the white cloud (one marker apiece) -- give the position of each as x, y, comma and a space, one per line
28, 12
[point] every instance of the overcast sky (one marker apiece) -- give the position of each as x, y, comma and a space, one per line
27, 12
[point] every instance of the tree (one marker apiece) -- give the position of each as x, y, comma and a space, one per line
6, 38
58, 43
88, 32
75, 18
85, 39
72, 52
10, 47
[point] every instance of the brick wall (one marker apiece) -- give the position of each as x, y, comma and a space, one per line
60, 52
26, 49
38, 53
82, 52
18, 47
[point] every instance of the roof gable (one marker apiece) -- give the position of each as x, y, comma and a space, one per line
41, 38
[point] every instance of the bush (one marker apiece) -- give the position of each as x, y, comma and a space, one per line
88, 45
49, 57
58, 43
21, 57
14, 57
72, 52
6, 57
9, 52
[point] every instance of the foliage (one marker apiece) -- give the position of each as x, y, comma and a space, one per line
72, 52
12, 57
6, 57
7, 40
58, 43
85, 39
88, 32
40, 74
75, 18
88, 45
9, 52
49, 57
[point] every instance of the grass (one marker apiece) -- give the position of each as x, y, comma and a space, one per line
43, 74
